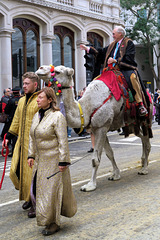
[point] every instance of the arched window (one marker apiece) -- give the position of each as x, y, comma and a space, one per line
56, 51
17, 56
67, 52
96, 41
63, 47
25, 49
31, 46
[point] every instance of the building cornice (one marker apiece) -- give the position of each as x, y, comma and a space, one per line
74, 10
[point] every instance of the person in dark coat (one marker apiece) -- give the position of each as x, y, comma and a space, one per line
3, 104
121, 53
10, 110
5, 98
156, 103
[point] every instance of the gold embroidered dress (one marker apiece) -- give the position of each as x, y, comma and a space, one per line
48, 144
20, 127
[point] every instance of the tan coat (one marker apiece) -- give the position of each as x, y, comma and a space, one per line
20, 127
48, 144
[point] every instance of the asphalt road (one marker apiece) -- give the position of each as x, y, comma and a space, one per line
128, 209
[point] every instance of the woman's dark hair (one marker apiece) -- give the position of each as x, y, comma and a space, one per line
49, 92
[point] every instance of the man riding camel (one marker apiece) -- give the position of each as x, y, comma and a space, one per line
121, 53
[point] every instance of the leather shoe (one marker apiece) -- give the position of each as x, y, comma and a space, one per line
91, 150
49, 230
142, 111
122, 133
26, 205
32, 213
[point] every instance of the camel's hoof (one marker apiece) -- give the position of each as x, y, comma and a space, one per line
143, 172
114, 178
88, 187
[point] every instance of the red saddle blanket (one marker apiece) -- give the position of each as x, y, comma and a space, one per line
114, 79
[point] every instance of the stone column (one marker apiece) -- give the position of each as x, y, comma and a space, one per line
80, 69
47, 49
6, 59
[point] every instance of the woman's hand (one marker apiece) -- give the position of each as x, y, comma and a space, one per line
30, 162
62, 168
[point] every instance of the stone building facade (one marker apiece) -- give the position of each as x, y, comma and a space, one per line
38, 32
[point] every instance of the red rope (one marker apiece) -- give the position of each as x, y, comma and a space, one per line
4, 155
101, 105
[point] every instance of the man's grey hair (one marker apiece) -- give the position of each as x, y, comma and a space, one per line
121, 30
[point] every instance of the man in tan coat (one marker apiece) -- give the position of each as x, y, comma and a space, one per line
20, 173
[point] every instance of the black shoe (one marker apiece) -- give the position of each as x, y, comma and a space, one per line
122, 133
91, 150
26, 205
10, 155
32, 213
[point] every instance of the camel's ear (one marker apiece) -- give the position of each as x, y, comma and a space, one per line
70, 71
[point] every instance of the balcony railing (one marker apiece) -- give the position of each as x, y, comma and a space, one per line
95, 7
66, 2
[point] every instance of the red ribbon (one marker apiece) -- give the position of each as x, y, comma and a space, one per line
4, 155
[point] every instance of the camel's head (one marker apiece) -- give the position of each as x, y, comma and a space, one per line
44, 73
62, 74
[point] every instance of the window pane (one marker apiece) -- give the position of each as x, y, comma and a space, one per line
56, 51
17, 57
31, 51
67, 52
99, 45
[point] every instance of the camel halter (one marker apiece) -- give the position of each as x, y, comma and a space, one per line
82, 117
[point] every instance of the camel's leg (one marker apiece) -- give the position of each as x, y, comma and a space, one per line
110, 155
146, 147
100, 136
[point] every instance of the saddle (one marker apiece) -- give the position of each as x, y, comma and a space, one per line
117, 84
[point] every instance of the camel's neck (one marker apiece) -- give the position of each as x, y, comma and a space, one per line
71, 108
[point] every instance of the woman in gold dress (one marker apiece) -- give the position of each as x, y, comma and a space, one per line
49, 153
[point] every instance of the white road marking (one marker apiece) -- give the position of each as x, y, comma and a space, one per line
133, 144
130, 139
8, 203
83, 181
2, 164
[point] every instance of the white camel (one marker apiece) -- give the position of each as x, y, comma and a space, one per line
108, 117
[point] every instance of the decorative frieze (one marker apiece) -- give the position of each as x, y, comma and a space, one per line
94, 7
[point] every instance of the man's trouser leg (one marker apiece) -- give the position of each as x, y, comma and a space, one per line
138, 96
159, 115
136, 86
157, 111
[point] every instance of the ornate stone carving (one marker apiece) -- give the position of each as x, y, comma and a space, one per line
77, 11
